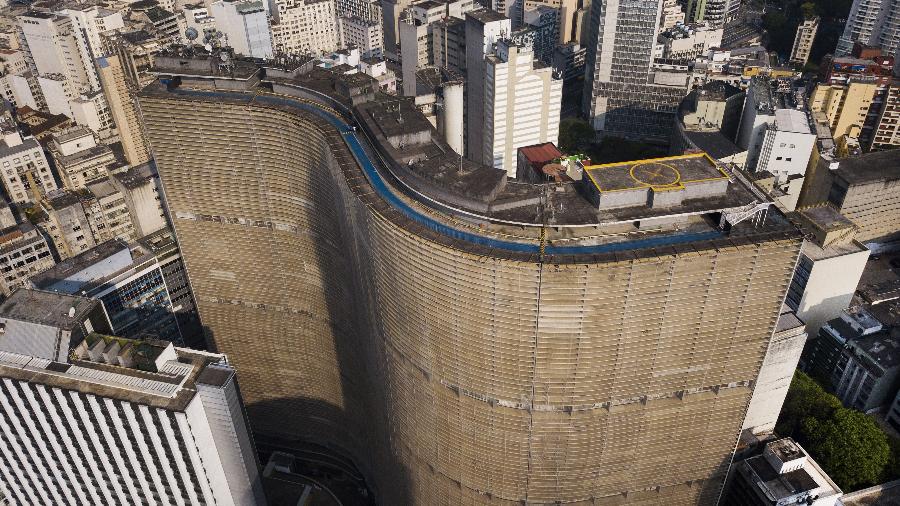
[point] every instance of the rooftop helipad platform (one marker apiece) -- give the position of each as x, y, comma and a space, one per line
644, 182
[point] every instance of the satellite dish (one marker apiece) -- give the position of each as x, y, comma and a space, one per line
191, 33
208, 47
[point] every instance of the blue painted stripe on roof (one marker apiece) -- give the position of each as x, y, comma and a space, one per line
380, 186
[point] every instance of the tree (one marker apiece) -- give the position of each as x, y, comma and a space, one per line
575, 135
851, 448
805, 399
809, 10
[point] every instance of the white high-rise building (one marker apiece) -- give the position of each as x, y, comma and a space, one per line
60, 49
304, 26
245, 24
521, 105
787, 145
873, 23
484, 29
86, 418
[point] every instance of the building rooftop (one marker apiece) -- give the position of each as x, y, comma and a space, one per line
792, 120
675, 173
148, 372
886, 494
102, 187
870, 167
66, 269
796, 477
538, 153
717, 90
716, 144
485, 15
71, 134
415, 167
45, 308
137, 176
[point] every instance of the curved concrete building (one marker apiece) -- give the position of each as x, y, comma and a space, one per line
466, 339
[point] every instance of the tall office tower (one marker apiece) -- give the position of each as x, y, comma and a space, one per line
522, 101
122, 71
484, 28
621, 96
87, 418
871, 23
304, 26
803, 40
465, 339
246, 26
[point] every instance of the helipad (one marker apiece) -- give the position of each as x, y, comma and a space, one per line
640, 182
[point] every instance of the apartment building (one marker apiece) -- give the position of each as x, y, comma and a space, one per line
79, 159
887, 130
23, 253
304, 27
98, 419
803, 40
245, 24
846, 106
25, 172
522, 102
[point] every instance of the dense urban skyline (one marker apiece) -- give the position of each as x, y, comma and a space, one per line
424, 252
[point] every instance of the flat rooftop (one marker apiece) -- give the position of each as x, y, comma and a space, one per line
882, 347
73, 265
45, 308
485, 15
826, 217
870, 167
673, 172
170, 387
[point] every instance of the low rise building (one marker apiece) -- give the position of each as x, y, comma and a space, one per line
784, 474
858, 358
23, 253
141, 189
25, 172
79, 158
100, 419
67, 224
45, 325
107, 212
130, 282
